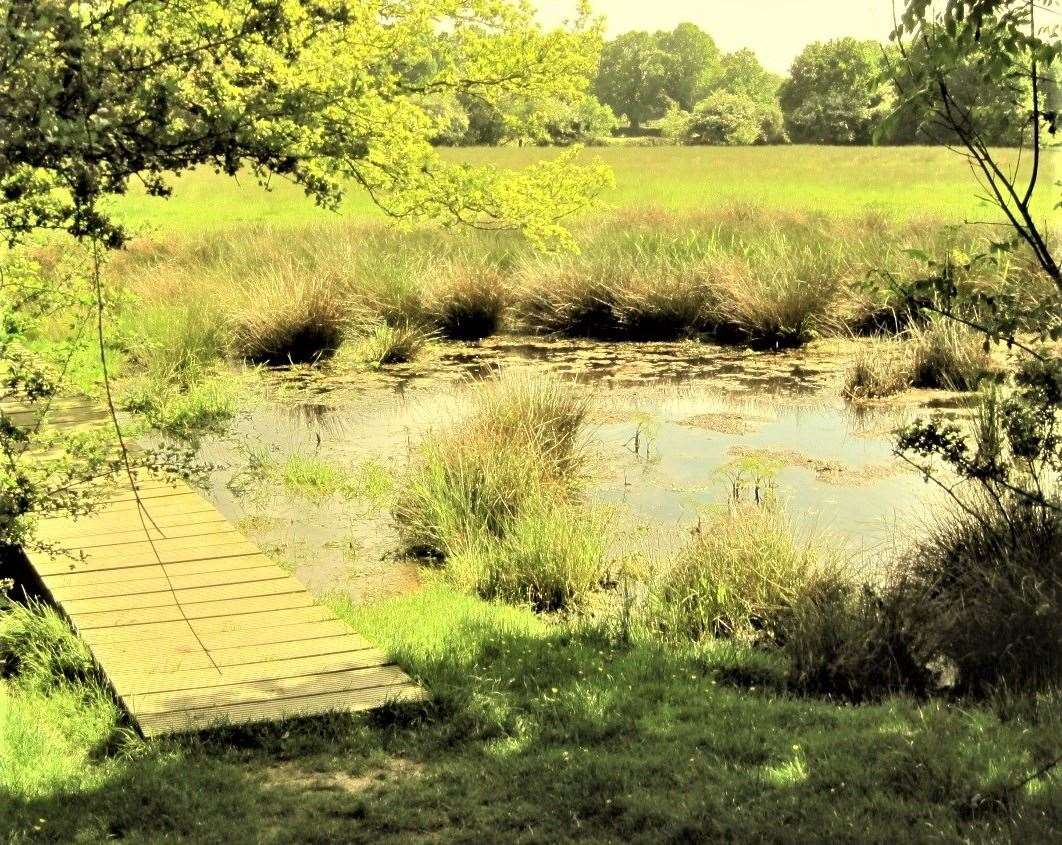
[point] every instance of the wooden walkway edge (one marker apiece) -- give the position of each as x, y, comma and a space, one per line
194, 627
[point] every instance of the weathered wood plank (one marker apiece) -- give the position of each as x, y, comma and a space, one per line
274, 709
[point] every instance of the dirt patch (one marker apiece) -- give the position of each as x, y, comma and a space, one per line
829, 472
294, 777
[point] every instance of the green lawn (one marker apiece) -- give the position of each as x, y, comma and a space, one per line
538, 733
896, 181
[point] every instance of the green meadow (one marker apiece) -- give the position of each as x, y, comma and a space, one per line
898, 182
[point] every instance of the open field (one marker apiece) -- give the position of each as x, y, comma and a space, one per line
899, 182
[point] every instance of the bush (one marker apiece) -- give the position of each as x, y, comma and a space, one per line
855, 642
523, 440
733, 119
989, 577
741, 571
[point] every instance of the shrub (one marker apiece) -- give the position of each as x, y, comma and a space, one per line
523, 440
949, 356
738, 574
855, 642
550, 555
186, 412
990, 579
733, 119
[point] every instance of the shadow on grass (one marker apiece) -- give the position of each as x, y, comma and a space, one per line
545, 734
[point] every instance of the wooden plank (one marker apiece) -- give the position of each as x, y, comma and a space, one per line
191, 525
189, 620
255, 691
160, 582
200, 610
277, 585
274, 709
229, 563
270, 670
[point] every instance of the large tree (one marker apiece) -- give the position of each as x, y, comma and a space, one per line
96, 97
834, 93
329, 94
690, 55
740, 72
632, 76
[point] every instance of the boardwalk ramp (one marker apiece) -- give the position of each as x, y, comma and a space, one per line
193, 626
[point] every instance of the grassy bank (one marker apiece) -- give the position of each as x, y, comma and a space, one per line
538, 732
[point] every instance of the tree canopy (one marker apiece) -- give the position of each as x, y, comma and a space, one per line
835, 93
102, 95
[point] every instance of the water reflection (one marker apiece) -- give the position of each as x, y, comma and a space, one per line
672, 421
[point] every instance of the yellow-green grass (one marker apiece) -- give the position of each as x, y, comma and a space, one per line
537, 732
895, 181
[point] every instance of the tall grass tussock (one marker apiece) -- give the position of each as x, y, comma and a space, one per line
491, 497
738, 575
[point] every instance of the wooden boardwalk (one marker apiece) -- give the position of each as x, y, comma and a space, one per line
193, 625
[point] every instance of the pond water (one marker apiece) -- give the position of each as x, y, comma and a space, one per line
675, 428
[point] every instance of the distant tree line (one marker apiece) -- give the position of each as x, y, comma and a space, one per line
679, 85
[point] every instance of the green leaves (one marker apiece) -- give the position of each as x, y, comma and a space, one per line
329, 94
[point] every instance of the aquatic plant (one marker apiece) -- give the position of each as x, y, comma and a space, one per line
551, 555
879, 368
948, 355
379, 344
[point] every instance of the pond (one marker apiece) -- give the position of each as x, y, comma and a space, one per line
676, 428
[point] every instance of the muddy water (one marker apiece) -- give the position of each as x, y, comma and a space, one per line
676, 428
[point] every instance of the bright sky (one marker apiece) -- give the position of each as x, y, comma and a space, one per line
776, 29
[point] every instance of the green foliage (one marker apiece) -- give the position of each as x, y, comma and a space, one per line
95, 98
948, 355
691, 55
988, 580
739, 574
551, 556
523, 440
733, 119
631, 77
38, 645
381, 344
835, 94
741, 73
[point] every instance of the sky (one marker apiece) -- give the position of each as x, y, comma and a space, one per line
776, 29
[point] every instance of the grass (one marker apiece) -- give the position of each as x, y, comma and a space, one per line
898, 182
950, 356
739, 573
880, 369
537, 732
490, 496
380, 345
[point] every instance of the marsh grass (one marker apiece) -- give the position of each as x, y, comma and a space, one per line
379, 344
491, 496
739, 573
38, 645
949, 356
880, 368
750, 274
551, 556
